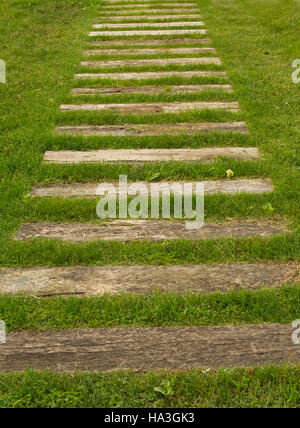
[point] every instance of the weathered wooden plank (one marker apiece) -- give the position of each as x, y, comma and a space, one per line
172, 89
146, 62
211, 187
150, 3
150, 348
189, 128
149, 12
148, 230
152, 18
152, 155
143, 108
145, 32
148, 51
155, 42
148, 6
150, 75
147, 25
100, 280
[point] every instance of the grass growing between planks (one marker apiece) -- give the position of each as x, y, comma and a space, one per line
257, 42
269, 387
155, 310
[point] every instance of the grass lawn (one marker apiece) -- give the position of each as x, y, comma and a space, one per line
42, 44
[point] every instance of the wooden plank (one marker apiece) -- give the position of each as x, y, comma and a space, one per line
148, 51
150, 348
172, 89
161, 43
140, 230
147, 25
149, 3
148, 6
99, 280
149, 12
211, 187
189, 128
146, 62
151, 75
146, 32
152, 18
152, 155
144, 108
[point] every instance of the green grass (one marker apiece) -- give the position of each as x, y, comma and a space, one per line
42, 44
269, 387
278, 305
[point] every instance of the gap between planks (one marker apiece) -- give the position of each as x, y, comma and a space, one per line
208, 154
99, 280
146, 230
144, 108
150, 348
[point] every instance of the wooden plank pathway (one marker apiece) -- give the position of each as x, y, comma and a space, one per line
150, 348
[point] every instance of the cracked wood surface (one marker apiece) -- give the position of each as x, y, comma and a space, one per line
150, 348
181, 279
148, 230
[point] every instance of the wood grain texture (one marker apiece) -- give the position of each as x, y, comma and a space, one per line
180, 279
119, 13
89, 190
150, 75
147, 62
150, 348
160, 43
144, 108
146, 32
152, 18
152, 129
158, 51
179, 89
148, 230
152, 155
131, 6
147, 25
